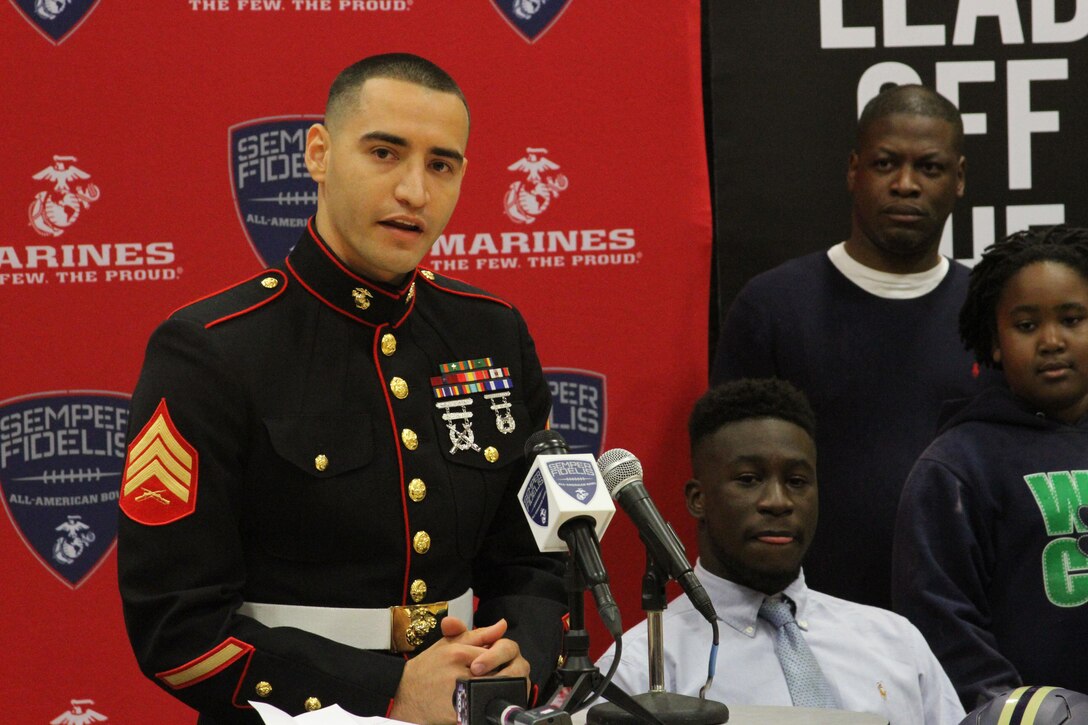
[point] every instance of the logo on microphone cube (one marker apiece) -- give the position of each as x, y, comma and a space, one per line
559, 488
534, 499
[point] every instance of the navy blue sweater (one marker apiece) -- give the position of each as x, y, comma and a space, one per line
876, 371
986, 562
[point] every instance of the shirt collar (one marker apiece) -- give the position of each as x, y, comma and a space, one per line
738, 606
885, 284
324, 276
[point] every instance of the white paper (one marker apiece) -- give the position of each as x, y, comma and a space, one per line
332, 715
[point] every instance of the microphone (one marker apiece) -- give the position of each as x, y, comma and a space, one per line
500, 712
568, 508
623, 475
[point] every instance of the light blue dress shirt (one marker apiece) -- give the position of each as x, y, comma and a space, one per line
875, 660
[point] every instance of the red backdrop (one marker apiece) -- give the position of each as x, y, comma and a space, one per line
129, 129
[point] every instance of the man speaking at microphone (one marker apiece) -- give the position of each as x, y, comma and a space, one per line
754, 498
324, 459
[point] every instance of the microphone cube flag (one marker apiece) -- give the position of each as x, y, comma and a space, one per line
559, 488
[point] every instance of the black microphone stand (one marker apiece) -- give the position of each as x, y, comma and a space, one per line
577, 676
668, 707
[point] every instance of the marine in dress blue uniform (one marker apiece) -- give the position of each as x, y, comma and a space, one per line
311, 438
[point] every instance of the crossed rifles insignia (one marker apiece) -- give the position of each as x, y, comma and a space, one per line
455, 385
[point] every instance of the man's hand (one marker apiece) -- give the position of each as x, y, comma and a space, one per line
425, 694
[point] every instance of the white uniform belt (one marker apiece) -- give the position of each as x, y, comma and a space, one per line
398, 629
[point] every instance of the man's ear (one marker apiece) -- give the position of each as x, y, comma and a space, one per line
851, 171
318, 144
693, 495
996, 355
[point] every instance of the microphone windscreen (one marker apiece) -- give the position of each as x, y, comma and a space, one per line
547, 442
618, 468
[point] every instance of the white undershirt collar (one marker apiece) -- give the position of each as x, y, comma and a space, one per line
886, 284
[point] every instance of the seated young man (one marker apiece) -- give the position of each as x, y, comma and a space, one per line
754, 496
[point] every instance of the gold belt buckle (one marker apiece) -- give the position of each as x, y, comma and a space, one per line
410, 624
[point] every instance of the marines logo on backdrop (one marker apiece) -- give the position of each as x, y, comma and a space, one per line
61, 457
273, 192
530, 18
55, 210
578, 408
80, 713
533, 245
66, 256
55, 20
527, 199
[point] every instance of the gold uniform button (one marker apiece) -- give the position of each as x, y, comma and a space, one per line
427, 273
389, 344
418, 590
421, 542
263, 689
491, 454
417, 490
410, 439
321, 462
270, 282
399, 388
311, 704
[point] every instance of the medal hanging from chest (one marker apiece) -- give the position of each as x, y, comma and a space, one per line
454, 388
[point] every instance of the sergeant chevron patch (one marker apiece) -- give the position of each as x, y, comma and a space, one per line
159, 486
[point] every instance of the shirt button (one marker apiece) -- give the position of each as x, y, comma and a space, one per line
410, 439
421, 542
417, 490
321, 462
418, 590
389, 344
491, 454
263, 689
311, 704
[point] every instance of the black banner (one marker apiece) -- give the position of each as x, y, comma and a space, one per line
789, 79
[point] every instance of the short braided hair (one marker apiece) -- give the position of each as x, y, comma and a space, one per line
1002, 260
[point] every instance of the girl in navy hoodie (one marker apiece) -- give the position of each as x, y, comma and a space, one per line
986, 560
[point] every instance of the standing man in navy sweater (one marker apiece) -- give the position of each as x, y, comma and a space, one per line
867, 330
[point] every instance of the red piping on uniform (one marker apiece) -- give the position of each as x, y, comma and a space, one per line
400, 465
312, 291
332, 257
411, 306
247, 649
242, 678
265, 273
476, 295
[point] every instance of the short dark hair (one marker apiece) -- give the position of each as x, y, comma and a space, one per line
398, 66
913, 100
747, 399
978, 316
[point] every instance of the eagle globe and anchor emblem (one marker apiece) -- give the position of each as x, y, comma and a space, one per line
527, 199
77, 536
81, 713
52, 212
